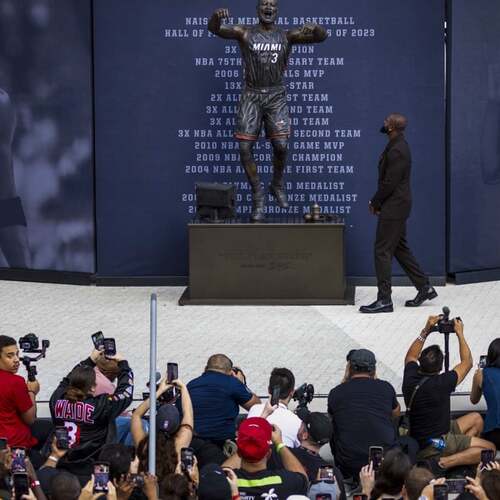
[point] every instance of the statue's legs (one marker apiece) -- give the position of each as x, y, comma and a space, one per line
248, 162
277, 185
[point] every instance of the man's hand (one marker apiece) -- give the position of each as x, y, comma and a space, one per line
87, 492
124, 488
277, 437
221, 14
33, 387
459, 326
30, 496
431, 323
179, 383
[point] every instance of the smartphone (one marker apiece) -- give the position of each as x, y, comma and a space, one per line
98, 340
137, 480
456, 486
487, 456
326, 473
482, 361
187, 459
172, 372
101, 477
3, 444
376, 456
62, 438
440, 492
21, 484
109, 347
275, 396
18, 460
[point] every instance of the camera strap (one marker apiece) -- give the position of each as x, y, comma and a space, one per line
410, 403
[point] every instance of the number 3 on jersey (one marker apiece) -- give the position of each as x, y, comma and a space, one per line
274, 57
73, 433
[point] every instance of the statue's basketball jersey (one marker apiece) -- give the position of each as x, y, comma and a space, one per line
265, 55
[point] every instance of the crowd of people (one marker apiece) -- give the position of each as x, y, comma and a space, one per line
94, 445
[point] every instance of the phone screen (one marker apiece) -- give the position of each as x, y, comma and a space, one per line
187, 458
109, 347
440, 492
21, 485
487, 456
62, 438
482, 361
376, 456
326, 473
275, 396
456, 486
101, 477
18, 460
3, 444
98, 340
172, 372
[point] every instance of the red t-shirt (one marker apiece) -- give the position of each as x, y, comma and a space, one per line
14, 400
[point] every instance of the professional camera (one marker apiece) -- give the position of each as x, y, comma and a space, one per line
445, 324
31, 345
303, 395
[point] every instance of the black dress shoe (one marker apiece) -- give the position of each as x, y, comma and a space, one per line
427, 293
379, 306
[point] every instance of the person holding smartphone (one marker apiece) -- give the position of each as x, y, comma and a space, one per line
486, 382
172, 433
87, 417
430, 416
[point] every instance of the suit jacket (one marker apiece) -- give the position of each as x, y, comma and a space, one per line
393, 197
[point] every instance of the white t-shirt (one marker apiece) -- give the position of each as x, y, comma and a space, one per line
285, 419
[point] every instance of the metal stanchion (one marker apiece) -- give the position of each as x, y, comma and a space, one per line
152, 387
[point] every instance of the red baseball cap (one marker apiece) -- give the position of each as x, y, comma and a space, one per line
254, 438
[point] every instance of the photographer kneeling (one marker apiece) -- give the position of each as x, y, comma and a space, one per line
446, 443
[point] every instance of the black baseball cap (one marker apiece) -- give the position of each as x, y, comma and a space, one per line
362, 360
319, 427
213, 484
167, 419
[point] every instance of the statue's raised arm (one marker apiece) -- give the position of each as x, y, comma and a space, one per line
229, 31
309, 33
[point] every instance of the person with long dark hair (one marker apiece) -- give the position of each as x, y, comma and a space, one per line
391, 477
486, 382
89, 419
172, 433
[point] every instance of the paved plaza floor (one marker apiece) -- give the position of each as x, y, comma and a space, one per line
312, 341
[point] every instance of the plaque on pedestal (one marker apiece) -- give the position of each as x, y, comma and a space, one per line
281, 262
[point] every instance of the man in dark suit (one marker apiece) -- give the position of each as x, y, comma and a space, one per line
392, 205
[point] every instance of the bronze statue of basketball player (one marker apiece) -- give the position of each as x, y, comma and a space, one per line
265, 49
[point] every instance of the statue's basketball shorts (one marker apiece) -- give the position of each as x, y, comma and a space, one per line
265, 105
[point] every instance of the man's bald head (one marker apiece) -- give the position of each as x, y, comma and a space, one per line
418, 478
219, 363
397, 122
